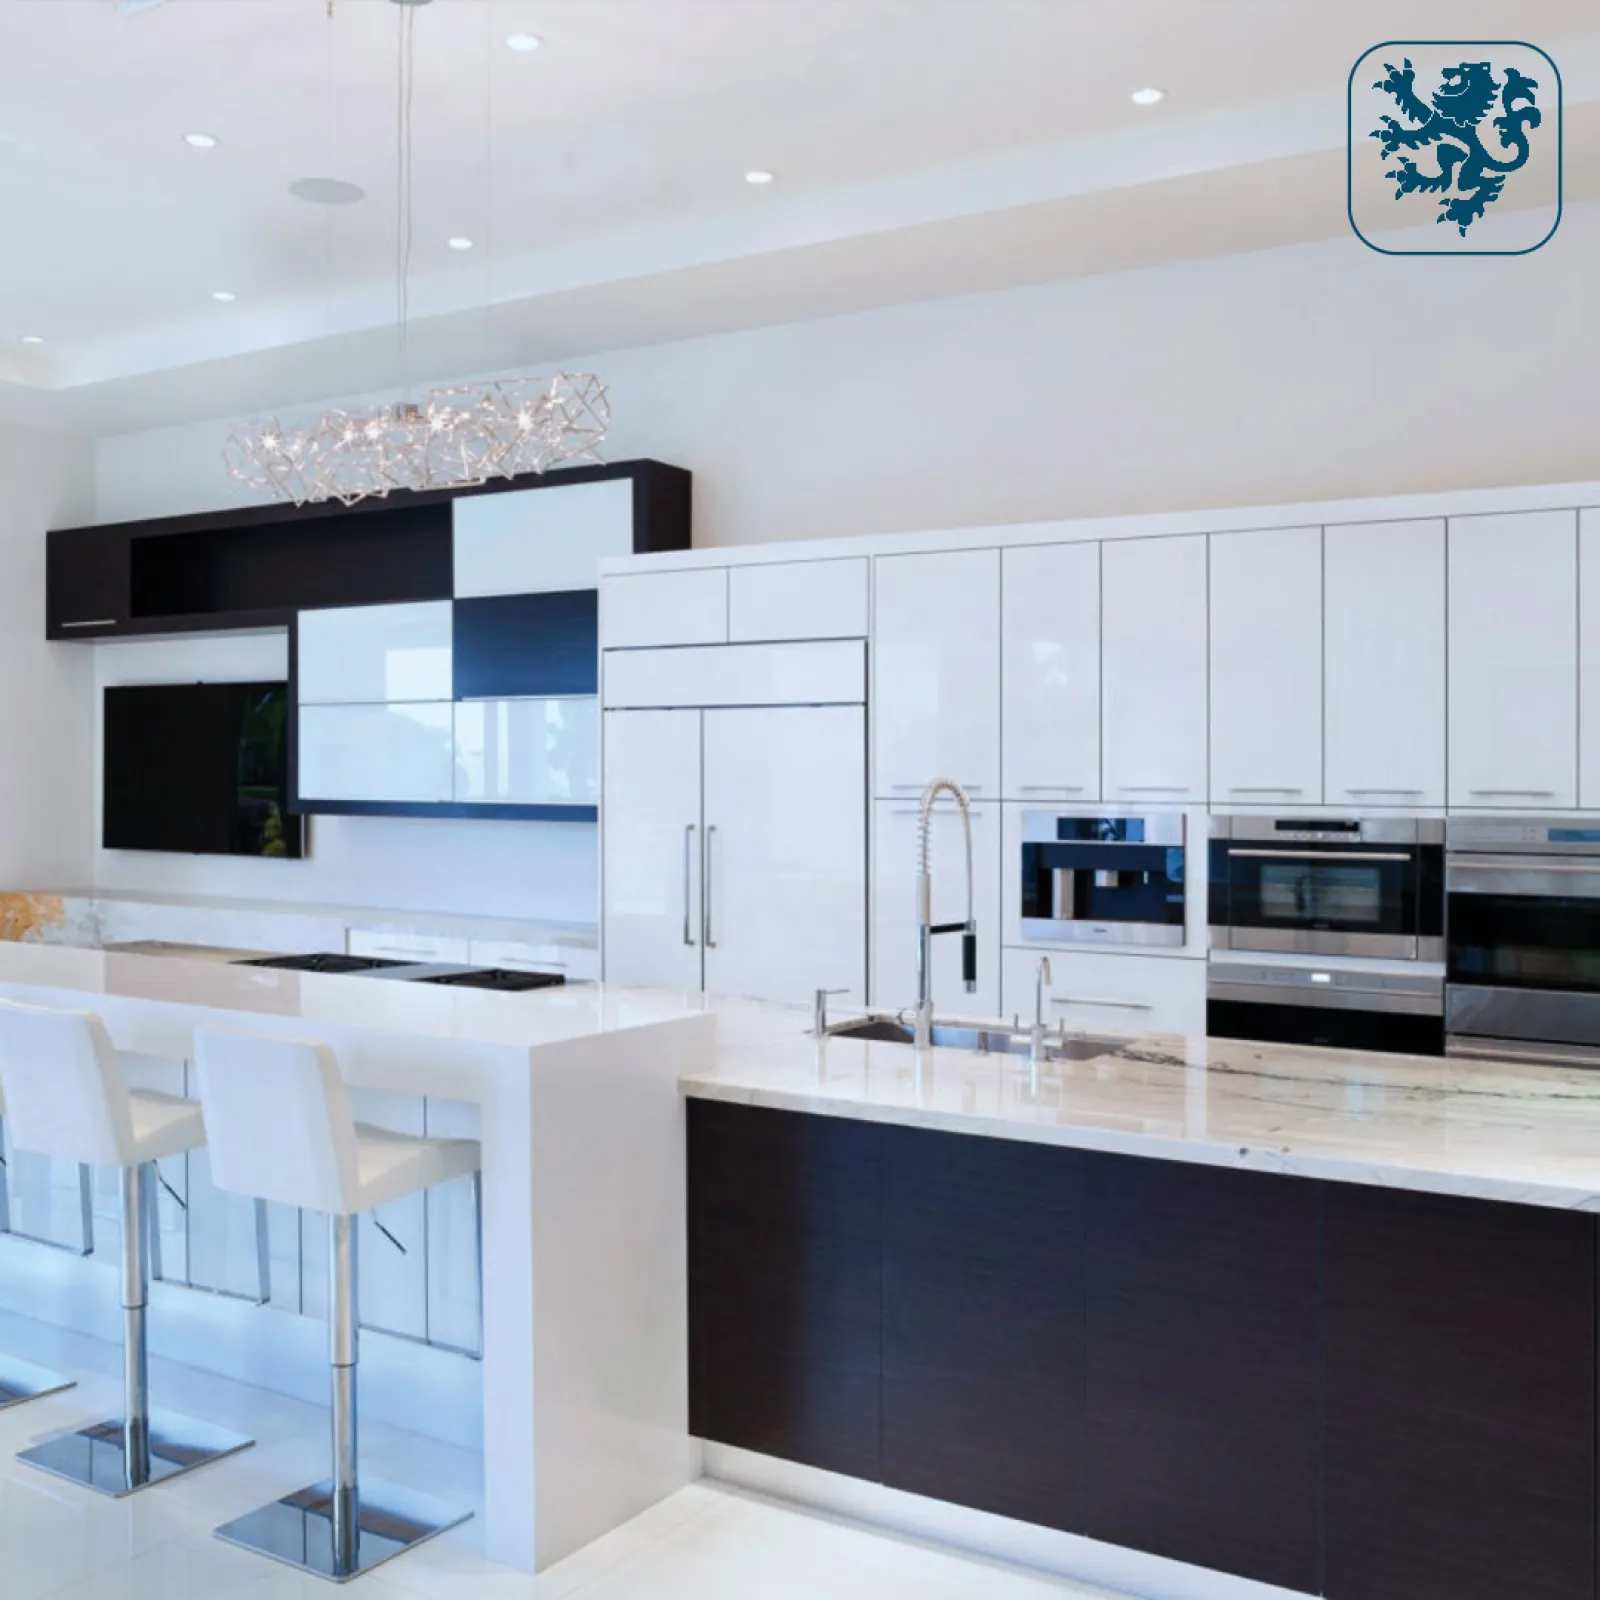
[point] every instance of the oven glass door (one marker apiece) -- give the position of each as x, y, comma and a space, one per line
1328, 899
1525, 927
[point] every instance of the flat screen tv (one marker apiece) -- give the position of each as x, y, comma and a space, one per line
200, 769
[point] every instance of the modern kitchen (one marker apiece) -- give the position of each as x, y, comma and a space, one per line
850, 876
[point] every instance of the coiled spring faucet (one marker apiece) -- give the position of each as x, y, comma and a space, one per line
926, 927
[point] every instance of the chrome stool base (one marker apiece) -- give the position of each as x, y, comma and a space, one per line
104, 1457
302, 1529
21, 1380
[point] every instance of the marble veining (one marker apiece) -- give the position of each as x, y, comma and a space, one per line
1498, 1130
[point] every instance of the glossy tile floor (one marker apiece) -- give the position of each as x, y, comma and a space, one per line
709, 1542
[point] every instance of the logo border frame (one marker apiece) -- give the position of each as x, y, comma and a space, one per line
1350, 148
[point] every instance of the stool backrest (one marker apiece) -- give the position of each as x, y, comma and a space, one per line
278, 1123
65, 1094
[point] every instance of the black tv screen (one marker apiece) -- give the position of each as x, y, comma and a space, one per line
199, 768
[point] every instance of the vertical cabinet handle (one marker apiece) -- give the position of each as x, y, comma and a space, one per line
705, 891
688, 847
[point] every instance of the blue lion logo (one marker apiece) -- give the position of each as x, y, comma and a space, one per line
1465, 96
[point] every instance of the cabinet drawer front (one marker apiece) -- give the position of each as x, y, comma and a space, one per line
738, 675
640, 609
1110, 993
403, 946
798, 600
370, 654
574, 962
528, 752
527, 644
529, 540
374, 753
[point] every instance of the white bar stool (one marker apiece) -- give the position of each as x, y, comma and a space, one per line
280, 1129
66, 1097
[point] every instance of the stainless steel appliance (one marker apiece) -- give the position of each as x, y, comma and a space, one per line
1329, 886
1102, 880
1524, 961
1347, 1007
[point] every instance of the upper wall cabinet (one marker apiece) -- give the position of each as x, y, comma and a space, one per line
535, 540
642, 610
1266, 667
1514, 660
797, 600
1385, 634
361, 655
1153, 661
1050, 672
936, 680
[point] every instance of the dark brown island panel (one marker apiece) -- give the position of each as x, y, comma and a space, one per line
1340, 1389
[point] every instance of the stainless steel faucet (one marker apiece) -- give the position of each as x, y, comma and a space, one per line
926, 928
1036, 1034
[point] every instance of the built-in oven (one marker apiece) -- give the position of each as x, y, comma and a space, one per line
1524, 947
1103, 880
1368, 887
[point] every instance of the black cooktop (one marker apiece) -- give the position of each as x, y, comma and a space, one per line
496, 978
324, 963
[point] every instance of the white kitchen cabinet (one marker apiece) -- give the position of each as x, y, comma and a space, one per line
785, 842
1050, 673
574, 962
1514, 660
528, 752
371, 654
664, 608
798, 600
1266, 667
894, 906
936, 671
377, 753
528, 541
394, 944
651, 848
1153, 667
817, 672
1589, 659
1092, 991
1384, 623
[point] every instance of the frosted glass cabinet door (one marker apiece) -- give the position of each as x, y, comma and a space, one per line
527, 541
786, 852
528, 752
650, 913
366, 654
393, 752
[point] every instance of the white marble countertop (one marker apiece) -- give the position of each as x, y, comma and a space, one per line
1496, 1130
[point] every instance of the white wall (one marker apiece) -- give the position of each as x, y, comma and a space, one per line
45, 734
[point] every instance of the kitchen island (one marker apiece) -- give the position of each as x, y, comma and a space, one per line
1302, 1321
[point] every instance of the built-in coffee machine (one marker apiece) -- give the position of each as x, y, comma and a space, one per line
1103, 880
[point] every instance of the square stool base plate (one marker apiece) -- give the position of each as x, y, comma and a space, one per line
298, 1529
96, 1456
21, 1380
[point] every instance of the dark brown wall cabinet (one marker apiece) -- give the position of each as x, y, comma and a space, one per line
1364, 1393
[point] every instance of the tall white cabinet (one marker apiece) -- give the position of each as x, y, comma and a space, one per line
1589, 658
1514, 660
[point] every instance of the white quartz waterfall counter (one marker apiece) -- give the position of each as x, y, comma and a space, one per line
584, 1360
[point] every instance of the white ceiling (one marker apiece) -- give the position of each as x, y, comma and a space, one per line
922, 147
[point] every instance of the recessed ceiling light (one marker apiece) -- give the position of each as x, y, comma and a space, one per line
458, 243
759, 176
524, 42
1148, 97
327, 191
33, 338
226, 296
202, 141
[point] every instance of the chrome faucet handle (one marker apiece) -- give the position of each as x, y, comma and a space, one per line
819, 1010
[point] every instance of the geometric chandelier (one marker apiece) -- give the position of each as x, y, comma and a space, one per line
462, 436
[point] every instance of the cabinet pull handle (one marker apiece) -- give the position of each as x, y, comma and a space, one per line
1261, 788
938, 811
1152, 788
705, 890
917, 788
1386, 791
1526, 794
93, 622
1112, 1005
1049, 788
688, 845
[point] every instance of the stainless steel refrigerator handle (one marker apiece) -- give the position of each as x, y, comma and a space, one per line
705, 889
688, 846
1322, 855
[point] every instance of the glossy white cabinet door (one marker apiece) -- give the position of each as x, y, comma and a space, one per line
650, 608
1050, 639
894, 906
1514, 660
798, 600
1092, 991
1589, 658
1153, 668
936, 678
377, 752
786, 852
1266, 667
527, 541
528, 752
395, 945
1384, 610
376, 653
650, 916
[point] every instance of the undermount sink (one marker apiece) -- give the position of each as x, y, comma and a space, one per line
980, 1040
